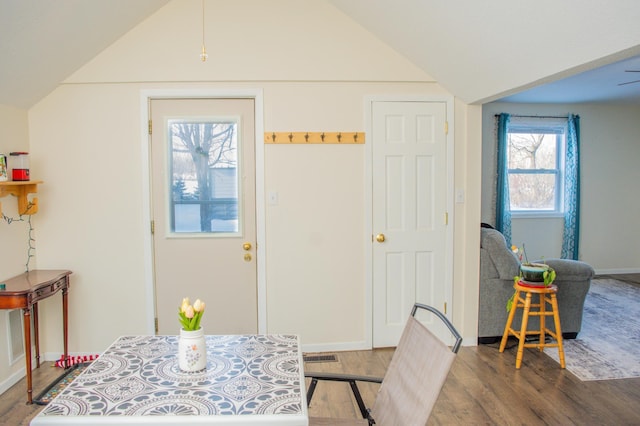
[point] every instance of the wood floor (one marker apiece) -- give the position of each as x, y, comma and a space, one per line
483, 388
13, 403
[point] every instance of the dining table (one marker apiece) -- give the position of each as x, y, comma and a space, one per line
248, 380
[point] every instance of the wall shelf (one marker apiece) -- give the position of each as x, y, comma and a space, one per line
21, 190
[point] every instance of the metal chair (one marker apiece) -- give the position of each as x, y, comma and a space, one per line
412, 382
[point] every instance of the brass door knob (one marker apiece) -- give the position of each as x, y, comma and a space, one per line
380, 238
246, 246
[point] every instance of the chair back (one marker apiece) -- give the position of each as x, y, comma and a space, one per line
415, 375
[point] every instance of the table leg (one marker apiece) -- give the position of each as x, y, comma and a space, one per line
65, 323
27, 350
36, 333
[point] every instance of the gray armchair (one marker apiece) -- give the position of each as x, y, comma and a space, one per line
498, 266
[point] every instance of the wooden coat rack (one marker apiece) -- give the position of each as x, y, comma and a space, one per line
314, 137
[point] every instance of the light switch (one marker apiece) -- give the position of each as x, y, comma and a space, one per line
459, 195
273, 198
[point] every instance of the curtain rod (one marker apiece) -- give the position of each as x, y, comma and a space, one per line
536, 116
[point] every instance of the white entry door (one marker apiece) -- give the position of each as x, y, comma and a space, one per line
409, 200
204, 212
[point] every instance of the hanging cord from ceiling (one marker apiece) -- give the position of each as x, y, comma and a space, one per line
203, 54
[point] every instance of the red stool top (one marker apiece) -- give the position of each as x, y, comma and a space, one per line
535, 287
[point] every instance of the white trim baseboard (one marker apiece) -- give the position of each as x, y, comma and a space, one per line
617, 271
363, 345
336, 347
12, 380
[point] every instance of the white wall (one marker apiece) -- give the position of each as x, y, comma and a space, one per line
609, 152
14, 233
86, 144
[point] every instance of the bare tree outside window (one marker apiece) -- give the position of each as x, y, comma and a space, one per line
198, 149
533, 171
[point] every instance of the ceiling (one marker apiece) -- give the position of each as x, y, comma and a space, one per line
618, 82
42, 42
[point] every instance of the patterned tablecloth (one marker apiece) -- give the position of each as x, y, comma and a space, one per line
249, 379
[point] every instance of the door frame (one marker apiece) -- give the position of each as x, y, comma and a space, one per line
368, 198
145, 99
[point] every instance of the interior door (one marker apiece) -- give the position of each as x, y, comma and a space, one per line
409, 160
204, 212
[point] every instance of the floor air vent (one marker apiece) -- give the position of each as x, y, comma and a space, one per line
320, 358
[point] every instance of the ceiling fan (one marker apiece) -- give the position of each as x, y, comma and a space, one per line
630, 82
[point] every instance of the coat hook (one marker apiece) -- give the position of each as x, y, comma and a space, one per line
306, 137
290, 137
322, 137
339, 137
273, 136
355, 138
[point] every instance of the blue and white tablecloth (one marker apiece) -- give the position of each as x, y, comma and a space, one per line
137, 378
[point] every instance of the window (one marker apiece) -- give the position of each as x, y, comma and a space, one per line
535, 168
203, 163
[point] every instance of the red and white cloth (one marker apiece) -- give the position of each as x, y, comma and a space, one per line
73, 360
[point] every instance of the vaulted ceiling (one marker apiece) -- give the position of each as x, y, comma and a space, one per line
543, 51
484, 51
42, 42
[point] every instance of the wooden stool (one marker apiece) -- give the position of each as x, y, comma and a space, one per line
546, 295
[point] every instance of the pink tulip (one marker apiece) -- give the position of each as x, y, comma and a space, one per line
185, 304
198, 306
189, 312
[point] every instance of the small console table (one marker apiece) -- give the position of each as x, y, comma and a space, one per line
24, 292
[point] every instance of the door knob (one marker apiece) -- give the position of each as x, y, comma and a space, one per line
247, 257
380, 238
246, 246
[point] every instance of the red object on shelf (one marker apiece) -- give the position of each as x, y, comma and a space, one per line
19, 166
524, 283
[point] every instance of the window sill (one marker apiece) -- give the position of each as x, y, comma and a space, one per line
537, 215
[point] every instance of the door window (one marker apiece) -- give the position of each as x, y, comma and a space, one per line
203, 169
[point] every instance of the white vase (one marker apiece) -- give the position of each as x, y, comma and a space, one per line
192, 350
